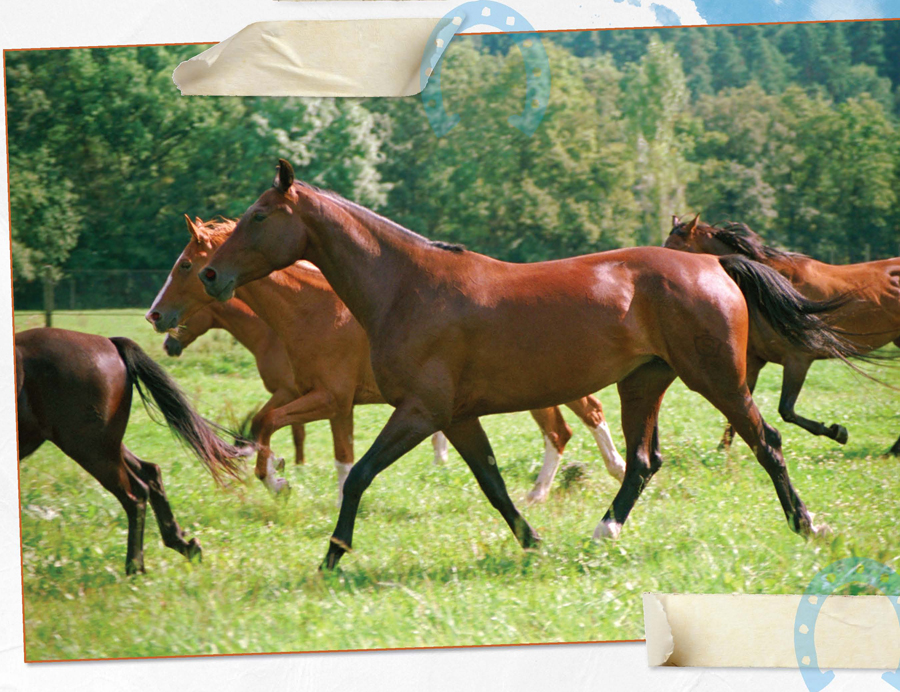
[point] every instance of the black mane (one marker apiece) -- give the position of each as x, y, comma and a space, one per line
744, 241
440, 244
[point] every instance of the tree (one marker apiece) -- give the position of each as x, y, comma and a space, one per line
655, 103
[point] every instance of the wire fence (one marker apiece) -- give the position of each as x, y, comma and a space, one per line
86, 290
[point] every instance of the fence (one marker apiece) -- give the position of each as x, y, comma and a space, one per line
90, 290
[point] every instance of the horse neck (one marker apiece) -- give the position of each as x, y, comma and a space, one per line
368, 260
241, 322
287, 298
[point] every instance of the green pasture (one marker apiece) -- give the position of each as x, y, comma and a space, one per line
434, 564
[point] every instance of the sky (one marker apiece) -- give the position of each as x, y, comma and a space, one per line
745, 11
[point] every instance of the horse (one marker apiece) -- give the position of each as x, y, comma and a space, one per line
329, 354
256, 336
74, 389
869, 315
456, 335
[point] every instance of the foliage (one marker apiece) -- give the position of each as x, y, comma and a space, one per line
792, 129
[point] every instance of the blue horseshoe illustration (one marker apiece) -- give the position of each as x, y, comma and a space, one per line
851, 570
499, 16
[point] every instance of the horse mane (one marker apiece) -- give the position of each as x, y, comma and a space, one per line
744, 241
368, 213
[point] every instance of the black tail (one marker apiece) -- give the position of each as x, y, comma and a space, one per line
771, 296
218, 456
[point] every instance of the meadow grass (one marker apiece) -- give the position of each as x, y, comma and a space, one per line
433, 563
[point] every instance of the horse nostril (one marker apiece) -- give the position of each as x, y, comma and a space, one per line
210, 274
154, 316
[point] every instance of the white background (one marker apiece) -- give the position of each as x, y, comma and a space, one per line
596, 667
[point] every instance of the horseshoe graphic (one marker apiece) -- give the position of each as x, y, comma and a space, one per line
499, 16
851, 570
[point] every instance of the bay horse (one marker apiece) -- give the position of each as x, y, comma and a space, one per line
329, 355
869, 315
456, 335
74, 389
272, 362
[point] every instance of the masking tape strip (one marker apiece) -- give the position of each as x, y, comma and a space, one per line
771, 631
361, 57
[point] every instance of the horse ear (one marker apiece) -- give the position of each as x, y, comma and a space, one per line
693, 223
284, 178
195, 227
675, 221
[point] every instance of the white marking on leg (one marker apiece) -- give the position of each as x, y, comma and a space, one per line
343, 470
552, 457
272, 482
615, 464
607, 529
441, 448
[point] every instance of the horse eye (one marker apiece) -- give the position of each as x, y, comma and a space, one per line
259, 216
186, 264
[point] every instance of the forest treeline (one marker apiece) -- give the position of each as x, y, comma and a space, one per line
792, 129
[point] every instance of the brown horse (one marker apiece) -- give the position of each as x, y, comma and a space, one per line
74, 389
869, 315
329, 354
456, 335
256, 336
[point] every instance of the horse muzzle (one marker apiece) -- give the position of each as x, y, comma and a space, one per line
173, 346
217, 286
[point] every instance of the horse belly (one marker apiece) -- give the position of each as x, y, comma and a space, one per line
544, 361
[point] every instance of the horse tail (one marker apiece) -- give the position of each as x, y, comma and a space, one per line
772, 297
189, 426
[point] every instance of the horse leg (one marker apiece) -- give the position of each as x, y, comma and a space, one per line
278, 399
721, 379
342, 435
641, 394
406, 428
754, 366
441, 451
556, 435
110, 469
298, 432
590, 411
895, 450
318, 404
172, 535
795, 370
470, 440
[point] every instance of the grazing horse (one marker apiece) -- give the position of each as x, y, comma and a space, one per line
456, 335
256, 336
74, 389
869, 315
329, 355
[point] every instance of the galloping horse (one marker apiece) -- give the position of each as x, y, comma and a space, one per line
456, 335
74, 389
869, 315
256, 336
329, 354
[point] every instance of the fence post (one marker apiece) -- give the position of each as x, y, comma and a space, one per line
48, 296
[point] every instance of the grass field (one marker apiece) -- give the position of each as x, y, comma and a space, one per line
434, 564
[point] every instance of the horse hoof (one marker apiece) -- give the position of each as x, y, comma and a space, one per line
279, 487
606, 530
194, 550
820, 531
536, 496
839, 434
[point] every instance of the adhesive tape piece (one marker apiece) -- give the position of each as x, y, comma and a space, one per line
361, 57
759, 631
